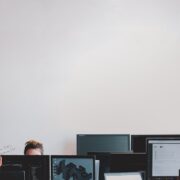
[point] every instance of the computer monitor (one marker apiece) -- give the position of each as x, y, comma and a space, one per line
102, 143
72, 167
35, 167
138, 141
12, 174
120, 162
128, 162
163, 158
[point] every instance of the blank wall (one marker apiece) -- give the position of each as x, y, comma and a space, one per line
87, 66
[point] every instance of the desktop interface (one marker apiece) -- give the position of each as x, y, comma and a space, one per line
164, 158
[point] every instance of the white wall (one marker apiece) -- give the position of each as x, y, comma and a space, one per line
87, 66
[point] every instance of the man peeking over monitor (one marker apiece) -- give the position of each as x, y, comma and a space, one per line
33, 147
0, 161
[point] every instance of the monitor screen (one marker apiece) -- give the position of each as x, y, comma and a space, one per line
102, 143
35, 167
163, 158
72, 167
138, 141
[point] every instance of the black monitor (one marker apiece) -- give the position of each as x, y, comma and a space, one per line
163, 158
72, 167
120, 162
138, 141
12, 175
128, 162
109, 143
35, 167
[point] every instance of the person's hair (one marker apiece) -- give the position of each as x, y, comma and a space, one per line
32, 144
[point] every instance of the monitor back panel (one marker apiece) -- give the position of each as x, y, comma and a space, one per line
128, 162
35, 167
12, 175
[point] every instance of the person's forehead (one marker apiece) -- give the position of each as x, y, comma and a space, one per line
33, 151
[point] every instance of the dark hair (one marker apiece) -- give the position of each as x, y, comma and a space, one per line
32, 144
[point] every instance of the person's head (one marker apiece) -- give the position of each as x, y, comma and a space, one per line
0, 161
33, 147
